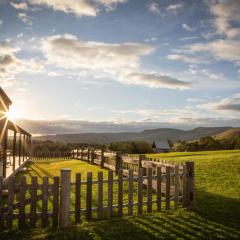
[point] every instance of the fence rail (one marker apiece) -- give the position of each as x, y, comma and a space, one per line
40, 155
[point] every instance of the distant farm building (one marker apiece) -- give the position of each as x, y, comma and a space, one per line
161, 146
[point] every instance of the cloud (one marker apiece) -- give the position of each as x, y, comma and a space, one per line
229, 104
220, 49
187, 59
6, 60
10, 65
226, 13
225, 49
53, 74
20, 6
1, 22
149, 118
68, 51
110, 4
174, 7
154, 7
20, 35
188, 38
77, 7
187, 28
155, 81
119, 62
5, 48
25, 18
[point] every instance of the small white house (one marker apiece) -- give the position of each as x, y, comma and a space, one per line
161, 146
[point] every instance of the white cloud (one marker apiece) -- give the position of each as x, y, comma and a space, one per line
154, 7
187, 59
188, 28
10, 65
68, 51
226, 12
228, 50
78, 7
20, 35
154, 80
119, 62
110, 4
25, 18
229, 104
221, 49
188, 38
6, 49
20, 6
174, 7
53, 74
152, 39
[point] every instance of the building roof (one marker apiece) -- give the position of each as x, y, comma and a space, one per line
161, 145
5, 96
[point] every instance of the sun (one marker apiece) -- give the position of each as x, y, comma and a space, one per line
11, 115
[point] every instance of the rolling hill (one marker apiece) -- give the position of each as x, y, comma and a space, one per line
147, 135
234, 132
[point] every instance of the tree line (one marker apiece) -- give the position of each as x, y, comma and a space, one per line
208, 144
140, 147
131, 147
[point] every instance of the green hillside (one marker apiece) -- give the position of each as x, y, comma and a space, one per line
234, 132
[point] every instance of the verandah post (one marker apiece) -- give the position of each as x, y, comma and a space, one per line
65, 198
14, 149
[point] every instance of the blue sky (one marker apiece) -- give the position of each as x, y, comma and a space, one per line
122, 63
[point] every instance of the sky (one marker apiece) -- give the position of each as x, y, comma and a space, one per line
120, 65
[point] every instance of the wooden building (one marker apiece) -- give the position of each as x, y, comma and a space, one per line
14, 154
161, 146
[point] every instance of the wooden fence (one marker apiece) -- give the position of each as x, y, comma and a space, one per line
53, 201
116, 160
43, 155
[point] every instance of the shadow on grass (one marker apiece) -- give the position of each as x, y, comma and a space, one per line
216, 217
219, 209
45, 172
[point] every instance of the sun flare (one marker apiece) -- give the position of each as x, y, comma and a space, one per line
11, 115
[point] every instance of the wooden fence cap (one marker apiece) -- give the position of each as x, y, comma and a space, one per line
65, 170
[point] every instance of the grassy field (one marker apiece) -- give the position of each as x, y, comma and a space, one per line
216, 215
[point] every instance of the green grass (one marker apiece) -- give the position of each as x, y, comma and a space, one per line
217, 213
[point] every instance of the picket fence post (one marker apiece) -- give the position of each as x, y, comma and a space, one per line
190, 198
65, 198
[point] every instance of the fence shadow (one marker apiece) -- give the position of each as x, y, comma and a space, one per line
217, 208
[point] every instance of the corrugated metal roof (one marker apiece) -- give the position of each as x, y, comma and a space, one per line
162, 144
5, 96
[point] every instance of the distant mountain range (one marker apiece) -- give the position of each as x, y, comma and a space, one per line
159, 134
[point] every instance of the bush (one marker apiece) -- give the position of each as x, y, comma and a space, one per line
131, 147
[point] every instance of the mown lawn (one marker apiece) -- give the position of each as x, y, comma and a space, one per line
217, 213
